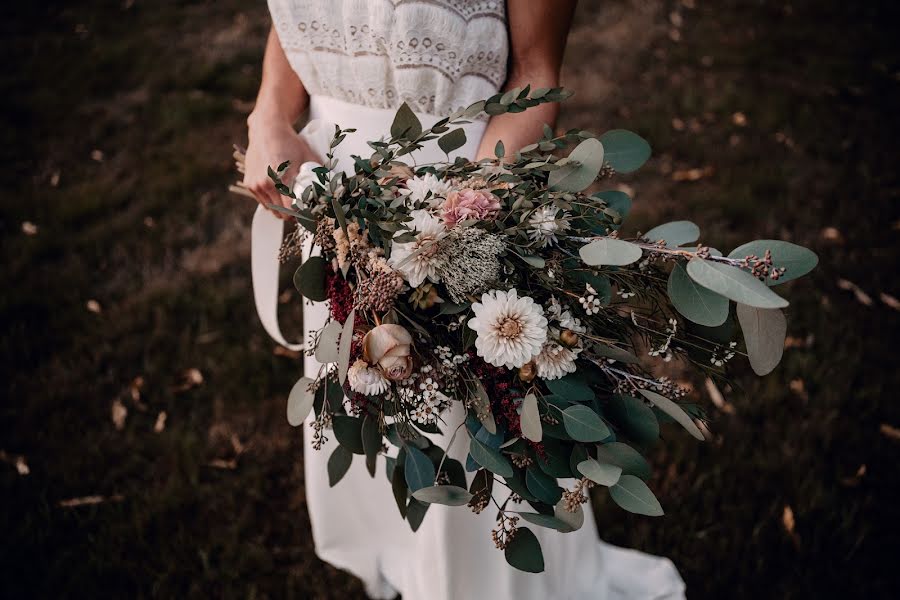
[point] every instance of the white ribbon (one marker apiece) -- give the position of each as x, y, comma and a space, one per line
267, 233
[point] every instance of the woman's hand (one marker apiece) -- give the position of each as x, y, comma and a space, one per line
273, 141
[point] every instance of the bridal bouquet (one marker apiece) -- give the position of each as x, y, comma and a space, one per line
504, 287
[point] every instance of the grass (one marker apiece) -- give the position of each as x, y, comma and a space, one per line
213, 505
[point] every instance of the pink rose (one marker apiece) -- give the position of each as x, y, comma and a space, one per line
388, 347
466, 204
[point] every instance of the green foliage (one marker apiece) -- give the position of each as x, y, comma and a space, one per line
419, 469
610, 252
300, 401
733, 283
584, 425
449, 495
524, 552
582, 168
796, 260
338, 464
695, 302
625, 151
309, 279
764, 333
676, 233
633, 495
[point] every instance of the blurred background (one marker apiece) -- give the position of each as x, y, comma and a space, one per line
144, 450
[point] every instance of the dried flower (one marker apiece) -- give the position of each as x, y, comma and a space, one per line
469, 261
528, 372
569, 338
468, 204
425, 296
511, 330
417, 260
388, 346
554, 361
545, 223
365, 379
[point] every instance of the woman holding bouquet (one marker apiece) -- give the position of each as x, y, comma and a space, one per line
353, 63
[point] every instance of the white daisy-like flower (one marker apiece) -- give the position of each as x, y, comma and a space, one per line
366, 379
417, 260
545, 223
554, 361
511, 329
417, 189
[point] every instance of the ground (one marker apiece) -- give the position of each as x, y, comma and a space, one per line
144, 447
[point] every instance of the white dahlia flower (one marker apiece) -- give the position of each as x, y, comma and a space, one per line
366, 379
554, 361
417, 260
511, 330
417, 189
545, 223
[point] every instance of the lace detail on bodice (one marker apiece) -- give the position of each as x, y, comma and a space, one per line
435, 55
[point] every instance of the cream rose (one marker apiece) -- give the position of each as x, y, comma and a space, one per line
465, 204
389, 346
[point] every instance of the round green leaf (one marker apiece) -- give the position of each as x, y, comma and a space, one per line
636, 418
542, 486
309, 279
573, 519
489, 458
625, 151
454, 140
338, 464
584, 425
676, 233
524, 552
348, 432
674, 411
633, 495
584, 165
571, 387
530, 419
734, 283
449, 495
300, 401
419, 469
598, 472
548, 521
406, 124
697, 303
796, 260
764, 333
624, 456
616, 200
609, 251
327, 346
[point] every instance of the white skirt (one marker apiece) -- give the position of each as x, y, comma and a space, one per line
356, 525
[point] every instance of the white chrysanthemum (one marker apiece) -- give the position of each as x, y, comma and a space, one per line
554, 361
511, 330
366, 379
545, 223
417, 189
417, 260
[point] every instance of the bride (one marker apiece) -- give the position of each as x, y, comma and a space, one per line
352, 63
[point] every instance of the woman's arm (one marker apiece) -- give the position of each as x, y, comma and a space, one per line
537, 36
272, 137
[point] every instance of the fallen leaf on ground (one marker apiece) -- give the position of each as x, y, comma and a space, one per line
798, 386
739, 119
789, 523
861, 297
695, 174
855, 479
717, 399
93, 306
160, 424
891, 301
118, 413
88, 501
219, 463
286, 352
17, 461
189, 379
889, 431
832, 234
97, 155
29, 228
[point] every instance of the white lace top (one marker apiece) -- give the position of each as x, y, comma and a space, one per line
435, 55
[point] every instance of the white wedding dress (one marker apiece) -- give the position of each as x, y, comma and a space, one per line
359, 59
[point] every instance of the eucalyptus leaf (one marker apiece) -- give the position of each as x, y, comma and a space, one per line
482, 406
598, 472
695, 302
454, 140
573, 519
338, 464
624, 456
542, 486
796, 260
626, 152
419, 469
636, 418
309, 279
489, 458
406, 124
300, 401
371, 441
524, 552
616, 200
530, 419
734, 283
449, 495
764, 333
619, 354
548, 521
399, 489
674, 411
584, 425
327, 346
584, 165
345, 347
348, 431
415, 513
676, 233
633, 495
610, 251
571, 387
